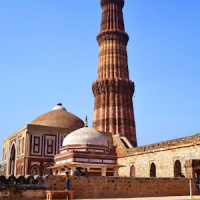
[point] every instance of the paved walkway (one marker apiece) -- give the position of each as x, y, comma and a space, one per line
151, 198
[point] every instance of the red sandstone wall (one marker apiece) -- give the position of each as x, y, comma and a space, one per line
111, 187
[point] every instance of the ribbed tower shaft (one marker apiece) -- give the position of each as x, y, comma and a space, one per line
113, 91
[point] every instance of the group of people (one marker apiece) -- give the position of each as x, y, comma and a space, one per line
77, 172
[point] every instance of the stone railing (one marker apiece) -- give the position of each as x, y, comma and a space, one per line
21, 179
23, 187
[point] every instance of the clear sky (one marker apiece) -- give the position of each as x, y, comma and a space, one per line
49, 54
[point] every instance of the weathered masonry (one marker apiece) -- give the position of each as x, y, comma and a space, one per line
113, 91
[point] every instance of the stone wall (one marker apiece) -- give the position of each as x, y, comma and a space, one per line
163, 155
21, 187
23, 191
164, 161
122, 187
93, 187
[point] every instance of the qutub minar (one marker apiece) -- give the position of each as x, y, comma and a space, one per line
58, 140
113, 91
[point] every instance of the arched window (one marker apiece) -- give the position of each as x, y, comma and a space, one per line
153, 170
177, 168
132, 171
35, 171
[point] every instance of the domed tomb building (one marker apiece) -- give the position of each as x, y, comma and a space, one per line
31, 149
87, 148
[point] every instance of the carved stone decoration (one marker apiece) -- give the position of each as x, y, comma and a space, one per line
30, 179
11, 179
2, 179
21, 180
113, 91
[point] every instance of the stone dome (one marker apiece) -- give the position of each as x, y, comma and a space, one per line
59, 117
84, 136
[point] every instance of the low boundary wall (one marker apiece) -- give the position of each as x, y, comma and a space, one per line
96, 187
122, 187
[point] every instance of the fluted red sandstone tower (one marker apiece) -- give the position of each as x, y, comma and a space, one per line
113, 91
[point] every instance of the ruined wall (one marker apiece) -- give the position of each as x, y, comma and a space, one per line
163, 155
164, 161
121, 187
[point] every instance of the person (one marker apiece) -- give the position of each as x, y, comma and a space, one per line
198, 183
86, 172
182, 175
79, 170
66, 177
76, 172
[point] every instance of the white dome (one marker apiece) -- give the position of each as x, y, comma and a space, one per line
59, 107
85, 136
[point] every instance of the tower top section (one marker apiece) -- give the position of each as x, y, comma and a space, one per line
105, 2
112, 21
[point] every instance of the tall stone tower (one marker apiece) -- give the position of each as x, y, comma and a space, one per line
113, 91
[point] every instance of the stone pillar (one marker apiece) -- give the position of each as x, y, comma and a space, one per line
103, 171
188, 169
54, 171
72, 170
116, 172
12, 167
26, 166
59, 171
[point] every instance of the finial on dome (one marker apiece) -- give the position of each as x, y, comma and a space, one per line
85, 123
59, 107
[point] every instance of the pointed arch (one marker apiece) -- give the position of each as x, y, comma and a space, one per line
177, 168
35, 170
153, 170
132, 171
46, 170
12, 160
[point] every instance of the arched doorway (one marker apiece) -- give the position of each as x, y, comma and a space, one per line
48, 171
177, 168
132, 171
153, 170
12, 160
35, 171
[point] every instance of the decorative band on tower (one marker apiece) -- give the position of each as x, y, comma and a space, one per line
113, 91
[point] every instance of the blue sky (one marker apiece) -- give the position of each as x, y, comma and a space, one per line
49, 54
